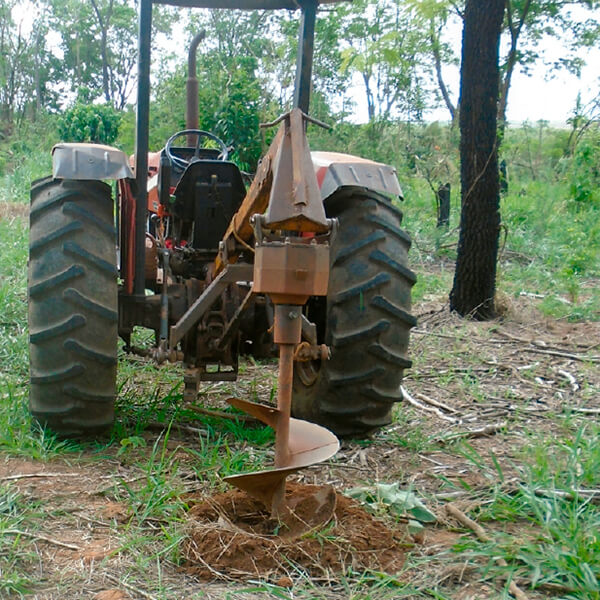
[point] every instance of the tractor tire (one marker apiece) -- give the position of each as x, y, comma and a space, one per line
365, 319
72, 292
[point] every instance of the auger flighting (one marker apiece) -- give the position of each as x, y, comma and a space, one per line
291, 264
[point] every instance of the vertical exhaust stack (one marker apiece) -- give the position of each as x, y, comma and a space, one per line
191, 87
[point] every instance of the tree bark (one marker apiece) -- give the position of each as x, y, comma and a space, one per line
475, 276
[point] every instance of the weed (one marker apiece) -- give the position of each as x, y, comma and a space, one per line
557, 540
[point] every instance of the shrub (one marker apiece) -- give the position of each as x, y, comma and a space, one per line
584, 173
97, 123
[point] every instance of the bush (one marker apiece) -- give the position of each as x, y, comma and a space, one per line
584, 173
97, 123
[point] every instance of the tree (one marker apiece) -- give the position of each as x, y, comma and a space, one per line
386, 49
25, 63
99, 45
475, 276
434, 15
526, 23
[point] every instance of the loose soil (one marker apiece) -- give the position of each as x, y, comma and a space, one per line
234, 536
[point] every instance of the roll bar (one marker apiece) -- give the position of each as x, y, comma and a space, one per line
243, 4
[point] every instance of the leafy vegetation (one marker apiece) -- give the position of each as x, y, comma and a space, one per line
84, 122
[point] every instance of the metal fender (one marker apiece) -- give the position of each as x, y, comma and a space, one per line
335, 170
89, 161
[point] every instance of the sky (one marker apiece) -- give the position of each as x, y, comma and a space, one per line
535, 96
532, 97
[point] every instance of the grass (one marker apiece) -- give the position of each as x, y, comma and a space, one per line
555, 542
546, 537
16, 554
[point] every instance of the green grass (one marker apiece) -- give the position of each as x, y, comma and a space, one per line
554, 540
552, 249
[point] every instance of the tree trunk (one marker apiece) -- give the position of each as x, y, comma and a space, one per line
104, 24
475, 277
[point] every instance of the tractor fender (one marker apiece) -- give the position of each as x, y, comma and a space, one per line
335, 170
89, 161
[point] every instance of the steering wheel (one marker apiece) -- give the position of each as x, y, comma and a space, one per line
182, 162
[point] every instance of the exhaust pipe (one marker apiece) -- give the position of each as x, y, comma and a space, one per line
191, 116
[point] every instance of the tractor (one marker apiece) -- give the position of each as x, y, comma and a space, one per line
310, 256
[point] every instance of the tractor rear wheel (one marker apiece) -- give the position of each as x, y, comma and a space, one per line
365, 319
72, 285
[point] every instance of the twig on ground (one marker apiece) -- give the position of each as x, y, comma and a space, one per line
40, 537
156, 426
578, 357
430, 409
570, 378
592, 495
581, 409
435, 402
220, 414
32, 475
131, 588
531, 295
481, 534
474, 433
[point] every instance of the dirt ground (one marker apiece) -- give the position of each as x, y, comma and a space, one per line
488, 383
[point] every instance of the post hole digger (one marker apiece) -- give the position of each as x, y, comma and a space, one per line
311, 257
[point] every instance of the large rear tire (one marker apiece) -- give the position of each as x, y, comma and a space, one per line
365, 319
72, 285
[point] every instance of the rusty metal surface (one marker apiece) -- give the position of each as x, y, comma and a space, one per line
233, 273
305, 352
335, 170
295, 200
289, 269
291, 272
240, 228
309, 444
191, 87
298, 444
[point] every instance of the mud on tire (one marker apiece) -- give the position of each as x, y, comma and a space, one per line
72, 289
365, 319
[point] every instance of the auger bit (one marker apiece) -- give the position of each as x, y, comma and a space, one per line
291, 264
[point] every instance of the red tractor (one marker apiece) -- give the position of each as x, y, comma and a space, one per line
188, 252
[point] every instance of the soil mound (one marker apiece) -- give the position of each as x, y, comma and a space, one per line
232, 536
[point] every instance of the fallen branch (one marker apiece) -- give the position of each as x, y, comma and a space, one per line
432, 409
490, 429
481, 534
581, 409
32, 475
40, 537
570, 378
591, 495
131, 588
578, 357
220, 414
436, 403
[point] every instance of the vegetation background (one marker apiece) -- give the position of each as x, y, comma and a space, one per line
70, 76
